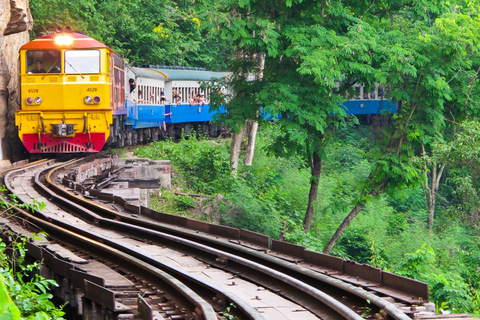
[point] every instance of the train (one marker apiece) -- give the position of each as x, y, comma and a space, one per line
77, 95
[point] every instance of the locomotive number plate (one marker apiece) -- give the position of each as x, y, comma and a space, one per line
33, 90
92, 89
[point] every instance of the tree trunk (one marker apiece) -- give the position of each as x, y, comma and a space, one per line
433, 189
432, 193
315, 163
431, 211
252, 136
341, 229
235, 154
349, 218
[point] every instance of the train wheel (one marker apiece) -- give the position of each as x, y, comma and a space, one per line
171, 131
128, 136
213, 131
121, 136
135, 137
148, 135
162, 134
178, 131
205, 129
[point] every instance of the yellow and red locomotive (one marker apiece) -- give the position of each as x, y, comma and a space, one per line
72, 86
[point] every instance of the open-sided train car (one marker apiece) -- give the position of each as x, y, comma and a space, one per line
167, 101
369, 103
71, 87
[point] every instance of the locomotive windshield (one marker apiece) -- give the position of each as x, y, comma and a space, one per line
82, 61
43, 61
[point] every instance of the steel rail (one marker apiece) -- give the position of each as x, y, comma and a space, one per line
248, 311
204, 308
297, 271
295, 284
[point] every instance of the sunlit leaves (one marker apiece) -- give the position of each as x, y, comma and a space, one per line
27, 290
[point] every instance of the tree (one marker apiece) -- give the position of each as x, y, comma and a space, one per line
429, 64
144, 32
462, 154
314, 54
432, 182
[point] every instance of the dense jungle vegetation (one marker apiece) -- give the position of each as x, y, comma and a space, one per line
390, 233
401, 194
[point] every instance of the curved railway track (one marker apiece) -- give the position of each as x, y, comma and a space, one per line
136, 243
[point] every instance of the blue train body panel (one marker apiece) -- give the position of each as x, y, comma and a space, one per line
130, 106
356, 107
369, 106
186, 113
145, 116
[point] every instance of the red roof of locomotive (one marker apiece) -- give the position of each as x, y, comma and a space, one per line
80, 41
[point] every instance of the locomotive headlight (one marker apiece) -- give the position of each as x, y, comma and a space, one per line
38, 100
29, 100
88, 99
65, 40
96, 100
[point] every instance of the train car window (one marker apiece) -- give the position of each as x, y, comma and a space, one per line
43, 61
82, 61
141, 95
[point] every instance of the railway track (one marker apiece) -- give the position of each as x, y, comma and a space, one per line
197, 269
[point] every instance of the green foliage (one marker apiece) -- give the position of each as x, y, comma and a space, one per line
357, 246
202, 162
391, 233
144, 32
28, 291
228, 313
447, 286
247, 208
8, 309
185, 202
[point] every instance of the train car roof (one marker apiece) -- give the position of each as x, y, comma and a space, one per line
148, 73
80, 41
172, 74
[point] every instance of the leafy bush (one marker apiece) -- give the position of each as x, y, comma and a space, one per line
185, 202
356, 245
29, 291
447, 288
203, 164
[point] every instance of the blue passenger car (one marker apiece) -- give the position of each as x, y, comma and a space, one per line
145, 106
371, 106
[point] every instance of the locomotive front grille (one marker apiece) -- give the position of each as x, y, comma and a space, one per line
62, 147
